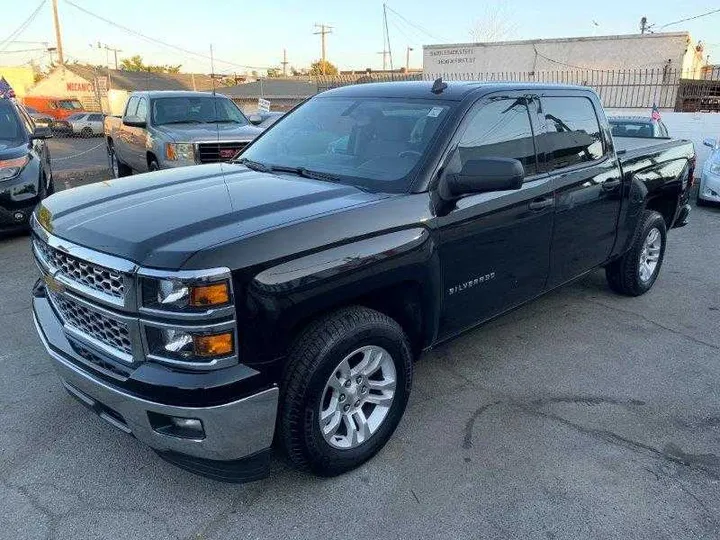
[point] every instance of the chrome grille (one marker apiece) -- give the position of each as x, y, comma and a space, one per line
101, 279
87, 321
219, 151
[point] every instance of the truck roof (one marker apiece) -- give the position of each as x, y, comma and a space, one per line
455, 91
174, 93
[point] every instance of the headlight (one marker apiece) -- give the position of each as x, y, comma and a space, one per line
178, 295
715, 168
188, 345
179, 152
9, 168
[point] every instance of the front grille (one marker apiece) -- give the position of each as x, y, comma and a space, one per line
91, 275
219, 151
87, 321
98, 362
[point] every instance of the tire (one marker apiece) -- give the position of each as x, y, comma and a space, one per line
315, 359
86, 133
153, 165
117, 167
630, 274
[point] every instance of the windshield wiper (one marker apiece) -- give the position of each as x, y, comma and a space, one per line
224, 121
181, 122
306, 173
254, 165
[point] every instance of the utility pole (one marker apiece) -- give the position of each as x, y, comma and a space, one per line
284, 63
324, 29
58, 39
386, 39
384, 53
107, 49
407, 59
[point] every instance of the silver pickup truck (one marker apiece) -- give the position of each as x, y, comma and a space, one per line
162, 129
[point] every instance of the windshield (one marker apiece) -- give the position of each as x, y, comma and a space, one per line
374, 143
75, 116
196, 110
11, 133
626, 128
70, 104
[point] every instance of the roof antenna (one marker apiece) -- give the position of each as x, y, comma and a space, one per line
438, 86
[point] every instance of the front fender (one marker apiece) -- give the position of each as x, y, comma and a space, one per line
284, 297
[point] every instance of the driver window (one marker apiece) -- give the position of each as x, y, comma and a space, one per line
500, 128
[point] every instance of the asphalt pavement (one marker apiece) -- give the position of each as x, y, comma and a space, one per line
581, 415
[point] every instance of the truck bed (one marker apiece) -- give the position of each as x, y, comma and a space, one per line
634, 153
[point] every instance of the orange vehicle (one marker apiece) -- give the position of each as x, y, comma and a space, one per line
58, 108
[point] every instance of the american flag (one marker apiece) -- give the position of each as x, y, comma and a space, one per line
655, 114
6, 90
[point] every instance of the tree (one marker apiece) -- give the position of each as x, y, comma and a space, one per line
495, 25
135, 63
299, 72
274, 72
316, 68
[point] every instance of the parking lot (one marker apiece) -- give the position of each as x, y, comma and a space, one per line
583, 414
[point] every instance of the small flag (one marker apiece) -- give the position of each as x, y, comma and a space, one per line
6, 90
655, 114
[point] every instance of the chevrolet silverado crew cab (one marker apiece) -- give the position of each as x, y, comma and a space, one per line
279, 300
165, 129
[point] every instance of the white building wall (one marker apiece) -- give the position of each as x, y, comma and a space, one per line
620, 52
63, 83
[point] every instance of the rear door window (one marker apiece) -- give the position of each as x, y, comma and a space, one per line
573, 134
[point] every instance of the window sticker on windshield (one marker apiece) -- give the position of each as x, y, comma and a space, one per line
435, 112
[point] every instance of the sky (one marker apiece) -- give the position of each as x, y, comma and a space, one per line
248, 35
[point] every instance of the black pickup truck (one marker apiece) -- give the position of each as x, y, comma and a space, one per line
217, 311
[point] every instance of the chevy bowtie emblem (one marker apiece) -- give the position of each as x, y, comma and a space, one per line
53, 284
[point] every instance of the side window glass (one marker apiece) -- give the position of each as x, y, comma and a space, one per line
573, 132
500, 128
142, 109
131, 106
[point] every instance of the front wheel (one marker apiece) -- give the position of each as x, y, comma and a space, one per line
635, 272
344, 390
86, 133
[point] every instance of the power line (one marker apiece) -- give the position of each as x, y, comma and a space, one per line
20, 29
24, 50
157, 41
691, 18
416, 26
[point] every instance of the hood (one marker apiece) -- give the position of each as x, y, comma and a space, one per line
208, 132
161, 219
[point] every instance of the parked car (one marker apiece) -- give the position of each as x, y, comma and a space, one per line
637, 126
709, 188
39, 118
265, 119
216, 310
25, 172
58, 108
81, 125
161, 130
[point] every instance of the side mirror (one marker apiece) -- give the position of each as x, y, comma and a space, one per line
712, 143
255, 119
134, 122
481, 175
42, 132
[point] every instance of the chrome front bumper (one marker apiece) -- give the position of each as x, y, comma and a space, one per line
232, 431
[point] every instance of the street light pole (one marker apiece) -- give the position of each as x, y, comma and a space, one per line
407, 59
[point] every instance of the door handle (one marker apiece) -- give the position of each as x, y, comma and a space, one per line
543, 202
609, 185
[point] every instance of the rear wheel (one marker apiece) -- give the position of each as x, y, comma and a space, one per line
86, 133
635, 272
118, 168
153, 165
344, 390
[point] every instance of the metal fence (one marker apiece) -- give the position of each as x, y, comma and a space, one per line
638, 88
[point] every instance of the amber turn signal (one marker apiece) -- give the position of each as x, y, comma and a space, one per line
213, 345
210, 295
